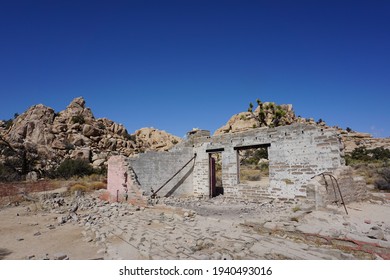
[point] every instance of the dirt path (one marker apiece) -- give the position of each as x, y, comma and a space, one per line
29, 235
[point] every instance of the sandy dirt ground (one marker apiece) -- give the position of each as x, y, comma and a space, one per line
29, 235
190, 229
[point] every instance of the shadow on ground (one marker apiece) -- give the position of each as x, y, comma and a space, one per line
4, 253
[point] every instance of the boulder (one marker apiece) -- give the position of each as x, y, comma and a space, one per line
89, 130
83, 153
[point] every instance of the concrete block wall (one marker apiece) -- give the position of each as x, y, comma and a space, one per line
153, 169
201, 186
296, 154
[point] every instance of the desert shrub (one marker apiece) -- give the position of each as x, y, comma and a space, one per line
362, 154
8, 123
74, 168
78, 119
79, 187
97, 186
383, 183
100, 171
250, 175
101, 125
7, 174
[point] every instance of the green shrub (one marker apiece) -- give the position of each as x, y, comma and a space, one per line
78, 119
363, 154
74, 168
7, 174
101, 125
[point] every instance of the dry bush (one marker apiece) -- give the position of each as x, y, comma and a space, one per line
97, 186
250, 175
79, 187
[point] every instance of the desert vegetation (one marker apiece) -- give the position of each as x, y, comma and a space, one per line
373, 165
254, 164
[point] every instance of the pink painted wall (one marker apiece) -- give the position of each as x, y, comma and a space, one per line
117, 168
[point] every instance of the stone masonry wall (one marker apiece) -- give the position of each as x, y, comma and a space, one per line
297, 153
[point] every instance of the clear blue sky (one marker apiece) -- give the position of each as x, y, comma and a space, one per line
176, 65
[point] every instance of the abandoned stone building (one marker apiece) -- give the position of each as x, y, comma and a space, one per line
297, 154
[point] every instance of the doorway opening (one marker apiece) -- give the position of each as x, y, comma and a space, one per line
253, 165
215, 174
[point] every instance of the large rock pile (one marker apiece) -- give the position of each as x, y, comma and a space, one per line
76, 133
353, 140
284, 114
249, 120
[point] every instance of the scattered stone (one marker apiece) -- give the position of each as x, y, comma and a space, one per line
37, 234
368, 222
74, 216
74, 208
270, 226
62, 220
60, 256
376, 233
20, 239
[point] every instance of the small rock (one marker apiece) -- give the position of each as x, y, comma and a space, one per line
74, 217
19, 239
376, 233
62, 220
368, 222
60, 256
217, 256
37, 234
102, 251
51, 227
74, 208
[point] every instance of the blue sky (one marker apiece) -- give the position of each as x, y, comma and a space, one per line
176, 65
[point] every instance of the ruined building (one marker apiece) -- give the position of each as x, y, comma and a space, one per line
297, 155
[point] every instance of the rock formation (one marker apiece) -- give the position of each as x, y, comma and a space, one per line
76, 133
267, 114
248, 120
353, 140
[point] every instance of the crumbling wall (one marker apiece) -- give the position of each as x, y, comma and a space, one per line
296, 154
122, 182
117, 182
352, 188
